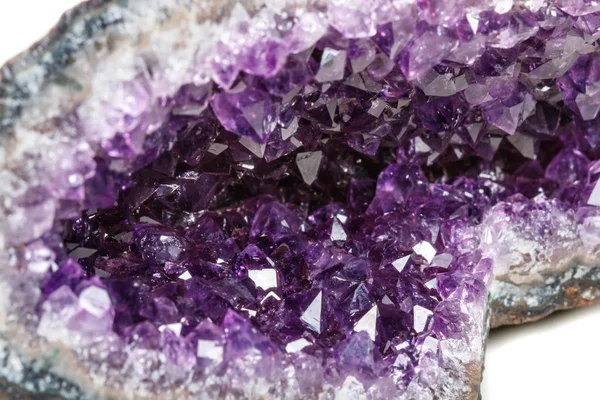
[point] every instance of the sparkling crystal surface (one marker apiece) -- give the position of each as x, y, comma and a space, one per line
314, 204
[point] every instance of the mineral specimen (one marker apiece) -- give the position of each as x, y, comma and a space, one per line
295, 201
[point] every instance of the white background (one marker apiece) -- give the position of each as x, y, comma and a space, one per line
557, 358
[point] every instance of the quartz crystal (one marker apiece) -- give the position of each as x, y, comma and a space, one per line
294, 201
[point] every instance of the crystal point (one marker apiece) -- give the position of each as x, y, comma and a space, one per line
368, 323
312, 315
308, 164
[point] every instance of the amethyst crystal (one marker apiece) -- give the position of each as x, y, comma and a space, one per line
298, 202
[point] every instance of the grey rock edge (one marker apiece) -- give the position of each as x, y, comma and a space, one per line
577, 286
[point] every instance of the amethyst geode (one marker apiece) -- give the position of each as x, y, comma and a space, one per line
288, 200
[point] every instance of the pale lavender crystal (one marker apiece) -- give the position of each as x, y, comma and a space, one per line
568, 167
77, 320
246, 112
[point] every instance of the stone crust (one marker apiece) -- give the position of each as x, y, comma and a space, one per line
577, 286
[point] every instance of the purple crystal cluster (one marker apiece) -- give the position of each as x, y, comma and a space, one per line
363, 287
318, 208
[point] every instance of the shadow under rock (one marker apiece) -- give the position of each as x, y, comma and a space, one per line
507, 332
521, 360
